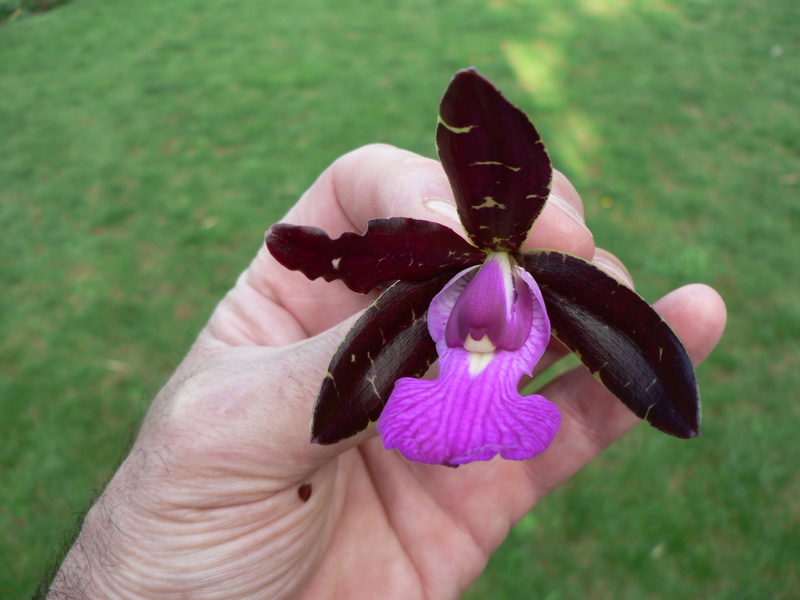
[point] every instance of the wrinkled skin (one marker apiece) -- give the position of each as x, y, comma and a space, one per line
207, 503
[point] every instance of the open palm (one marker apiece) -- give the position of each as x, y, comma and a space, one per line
223, 496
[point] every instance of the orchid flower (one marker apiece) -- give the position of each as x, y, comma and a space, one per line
484, 308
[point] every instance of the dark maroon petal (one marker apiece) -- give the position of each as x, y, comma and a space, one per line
497, 165
621, 339
389, 341
390, 249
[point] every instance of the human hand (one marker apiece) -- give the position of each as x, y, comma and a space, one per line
223, 496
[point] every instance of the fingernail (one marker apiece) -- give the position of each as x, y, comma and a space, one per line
612, 268
566, 207
442, 208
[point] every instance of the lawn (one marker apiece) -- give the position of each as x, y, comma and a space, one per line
146, 146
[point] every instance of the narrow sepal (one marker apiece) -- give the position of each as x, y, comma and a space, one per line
621, 340
495, 160
390, 249
388, 342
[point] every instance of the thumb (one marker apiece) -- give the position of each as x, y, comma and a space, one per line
253, 405
313, 357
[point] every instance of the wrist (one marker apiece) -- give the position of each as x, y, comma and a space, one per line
102, 562
153, 534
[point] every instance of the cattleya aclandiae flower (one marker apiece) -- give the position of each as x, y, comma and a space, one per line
486, 310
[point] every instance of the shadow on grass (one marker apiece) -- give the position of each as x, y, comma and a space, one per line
11, 10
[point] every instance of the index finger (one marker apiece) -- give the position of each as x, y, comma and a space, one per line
373, 182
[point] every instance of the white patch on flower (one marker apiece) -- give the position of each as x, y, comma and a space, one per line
481, 346
478, 361
335, 263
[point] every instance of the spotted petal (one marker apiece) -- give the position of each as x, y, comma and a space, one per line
621, 339
473, 411
390, 340
495, 160
390, 249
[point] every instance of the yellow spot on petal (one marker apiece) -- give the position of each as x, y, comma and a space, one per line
489, 202
496, 163
466, 129
375, 391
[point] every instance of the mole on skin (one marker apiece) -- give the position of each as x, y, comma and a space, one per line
304, 492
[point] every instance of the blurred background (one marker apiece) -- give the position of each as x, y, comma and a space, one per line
146, 146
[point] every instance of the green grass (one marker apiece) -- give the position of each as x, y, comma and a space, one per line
146, 147
11, 10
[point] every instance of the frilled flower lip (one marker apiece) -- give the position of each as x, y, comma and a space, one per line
473, 410
501, 175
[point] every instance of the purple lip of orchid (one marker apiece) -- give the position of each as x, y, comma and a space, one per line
490, 326
486, 310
